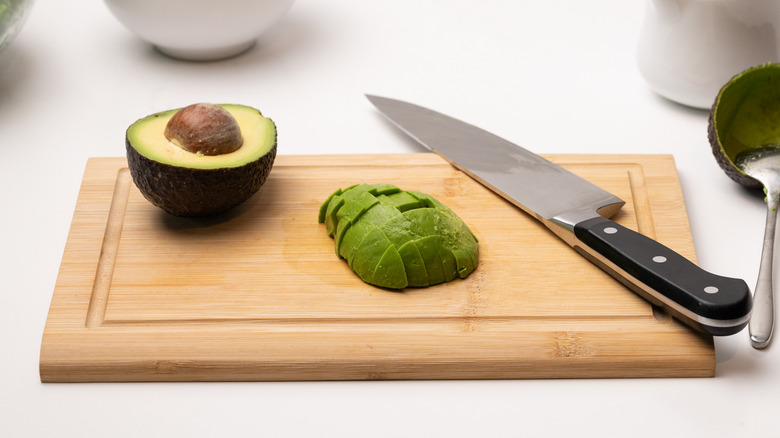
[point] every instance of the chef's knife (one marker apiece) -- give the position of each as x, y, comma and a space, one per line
578, 211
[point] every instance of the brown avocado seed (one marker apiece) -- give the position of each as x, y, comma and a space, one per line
204, 129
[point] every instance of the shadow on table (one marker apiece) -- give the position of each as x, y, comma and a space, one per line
16, 68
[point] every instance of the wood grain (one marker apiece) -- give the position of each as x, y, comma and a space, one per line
259, 294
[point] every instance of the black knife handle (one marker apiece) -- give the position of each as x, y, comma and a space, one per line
718, 305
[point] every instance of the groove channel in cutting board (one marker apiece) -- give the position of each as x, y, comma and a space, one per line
232, 288
247, 267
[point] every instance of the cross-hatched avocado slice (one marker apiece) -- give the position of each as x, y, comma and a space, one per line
399, 233
424, 221
383, 189
466, 253
341, 230
353, 238
414, 265
368, 255
390, 271
355, 206
429, 251
350, 212
324, 207
398, 230
448, 263
380, 213
331, 213
402, 201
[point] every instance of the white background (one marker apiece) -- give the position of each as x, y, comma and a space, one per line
556, 76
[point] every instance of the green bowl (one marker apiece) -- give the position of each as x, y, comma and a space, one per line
744, 116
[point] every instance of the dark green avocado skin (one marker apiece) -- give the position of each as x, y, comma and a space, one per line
187, 192
724, 163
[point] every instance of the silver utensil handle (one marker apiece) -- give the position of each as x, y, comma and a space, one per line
763, 315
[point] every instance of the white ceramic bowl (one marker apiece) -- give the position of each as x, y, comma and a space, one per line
200, 30
688, 49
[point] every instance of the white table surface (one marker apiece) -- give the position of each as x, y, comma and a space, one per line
554, 76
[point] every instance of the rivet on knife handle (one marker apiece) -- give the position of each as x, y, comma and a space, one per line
718, 305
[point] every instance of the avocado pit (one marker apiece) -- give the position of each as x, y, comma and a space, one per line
204, 128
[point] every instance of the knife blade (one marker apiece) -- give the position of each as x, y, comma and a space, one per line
578, 212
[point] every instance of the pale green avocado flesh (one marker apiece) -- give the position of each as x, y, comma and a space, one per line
396, 239
147, 137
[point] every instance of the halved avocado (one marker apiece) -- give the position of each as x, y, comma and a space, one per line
191, 184
745, 116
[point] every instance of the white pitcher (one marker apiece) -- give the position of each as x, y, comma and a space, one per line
688, 49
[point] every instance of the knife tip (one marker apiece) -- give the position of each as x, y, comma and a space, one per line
382, 102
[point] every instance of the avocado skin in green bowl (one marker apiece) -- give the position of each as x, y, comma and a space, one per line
745, 115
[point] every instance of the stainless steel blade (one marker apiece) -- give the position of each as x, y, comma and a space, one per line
529, 181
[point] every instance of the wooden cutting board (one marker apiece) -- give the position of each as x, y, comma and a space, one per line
259, 294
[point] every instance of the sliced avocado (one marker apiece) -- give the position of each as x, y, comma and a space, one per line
350, 213
390, 271
368, 255
398, 230
395, 239
353, 238
429, 251
448, 264
466, 253
403, 201
424, 221
400, 236
331, 214
384, 189
465, 260
414, 265
380, 214
426, 201
355, 206
324, 206
191, 184
341, 230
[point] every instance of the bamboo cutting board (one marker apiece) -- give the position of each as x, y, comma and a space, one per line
259, 293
